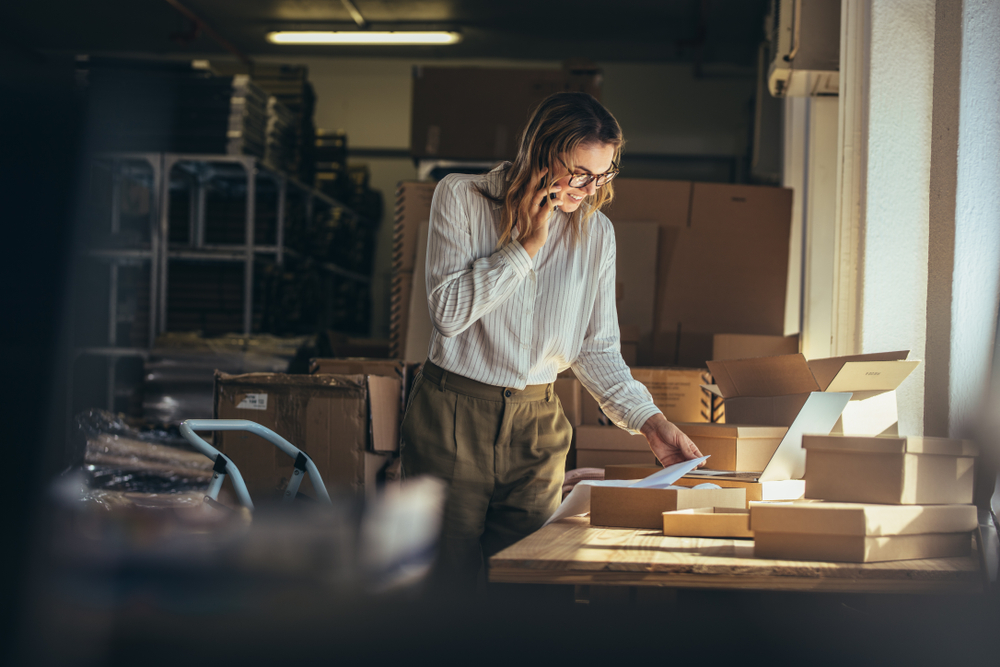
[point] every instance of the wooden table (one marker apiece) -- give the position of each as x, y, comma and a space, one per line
571, 551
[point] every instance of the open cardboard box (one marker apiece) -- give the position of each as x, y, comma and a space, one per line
772, 390
861, 533
347, 424
735, 447
789, 489
631, 507
722, 522
894, 470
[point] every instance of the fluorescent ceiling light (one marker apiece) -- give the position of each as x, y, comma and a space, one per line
362, 37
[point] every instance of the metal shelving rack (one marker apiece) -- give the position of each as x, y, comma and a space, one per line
159, 252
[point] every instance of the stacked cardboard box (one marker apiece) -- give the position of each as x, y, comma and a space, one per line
347, 424
891, 498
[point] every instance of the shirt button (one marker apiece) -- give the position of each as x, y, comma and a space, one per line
507, 393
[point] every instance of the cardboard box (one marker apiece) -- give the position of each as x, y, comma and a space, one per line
393, 368
478, 113
719, 522
743, 230
399, 313
789, 489
599, 446
413, 208
772, 390
745, 346
630, 343
347, 424
842, 532
569, 391
889, 469
678, 392
735, 447
629, 507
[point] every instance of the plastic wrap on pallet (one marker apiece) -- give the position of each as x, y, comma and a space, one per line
118, 456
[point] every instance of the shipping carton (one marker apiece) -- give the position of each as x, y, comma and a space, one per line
772, 390
599, 446
742, 229
735, 447
630, 507
678, 392
860, 533
719, 522
889, 469
393, 368
477, 113
630, 342
745, 346
347, 424
789, 489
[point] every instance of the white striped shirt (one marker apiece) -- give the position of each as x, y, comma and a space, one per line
507, 320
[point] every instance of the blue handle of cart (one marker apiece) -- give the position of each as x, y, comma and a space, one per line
189, 427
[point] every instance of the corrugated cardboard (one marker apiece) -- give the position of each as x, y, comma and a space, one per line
745, 346
843, 532
335, 419
629, 507
677, 392
889, 469
742, 229
609, 438
630, 343
858, 549
635, 274
771, 390
419, 325
735, 447
413, 208
399, 313
477, 113
569, 392
790, 489
720, 522
393, 368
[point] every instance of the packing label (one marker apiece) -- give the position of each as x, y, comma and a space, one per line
253, 402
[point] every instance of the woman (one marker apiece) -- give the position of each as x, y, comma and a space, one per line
521, 285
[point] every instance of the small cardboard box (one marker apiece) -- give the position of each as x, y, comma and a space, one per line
772, 390
721, 522
629, 507
347, 424
860, 533
789, 489
392, 368
897, 470
678, 392
599, 446
735, 447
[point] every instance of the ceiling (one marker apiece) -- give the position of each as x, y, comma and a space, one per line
687, 31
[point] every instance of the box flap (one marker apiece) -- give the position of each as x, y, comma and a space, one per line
825, 370
712, 389
763, 376
743, 431
383, 409
821, 518
882, 444
871, 376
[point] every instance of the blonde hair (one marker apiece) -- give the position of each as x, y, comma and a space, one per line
558, 126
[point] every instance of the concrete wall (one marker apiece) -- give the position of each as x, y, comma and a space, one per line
894, 261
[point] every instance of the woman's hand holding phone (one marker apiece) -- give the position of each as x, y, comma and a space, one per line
544, 201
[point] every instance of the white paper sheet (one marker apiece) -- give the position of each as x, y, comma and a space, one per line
578, 500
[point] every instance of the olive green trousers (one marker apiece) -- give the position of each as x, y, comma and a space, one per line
502, 453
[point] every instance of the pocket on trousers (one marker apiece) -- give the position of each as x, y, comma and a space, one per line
427, 434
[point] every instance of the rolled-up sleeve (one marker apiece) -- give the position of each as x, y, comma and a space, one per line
600, 366
462, 288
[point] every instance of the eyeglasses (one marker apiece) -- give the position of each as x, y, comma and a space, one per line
583, 180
